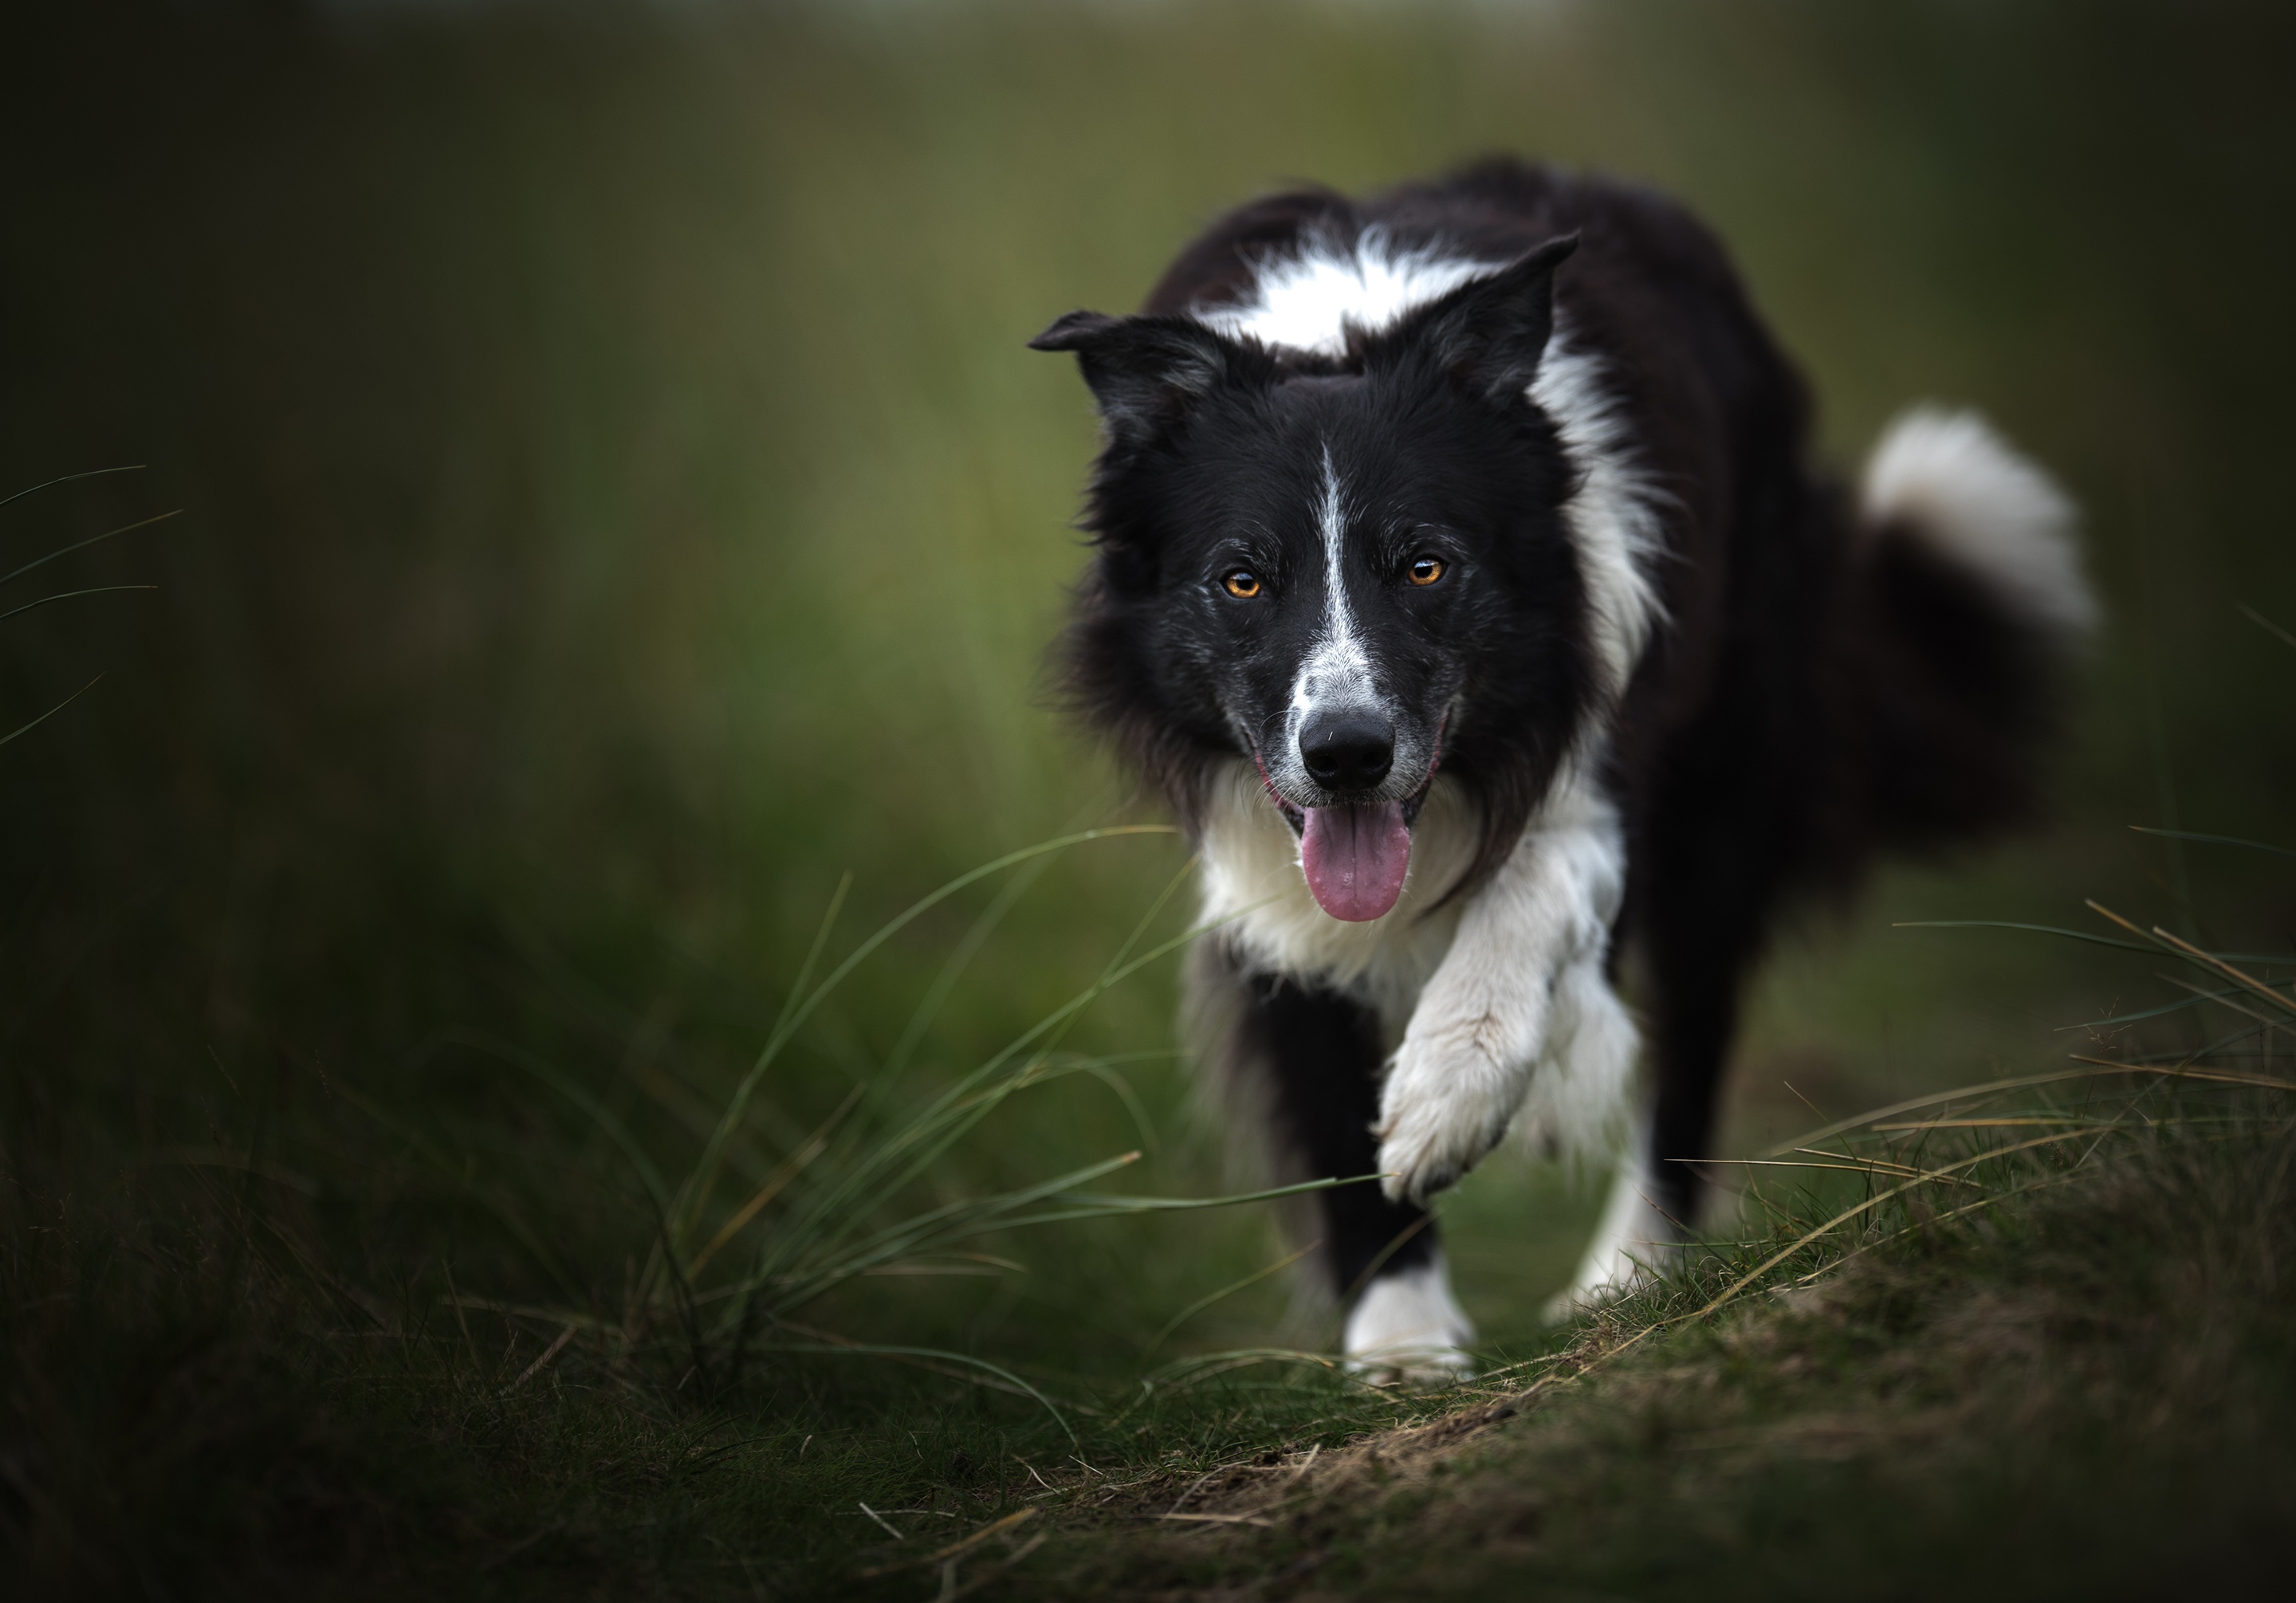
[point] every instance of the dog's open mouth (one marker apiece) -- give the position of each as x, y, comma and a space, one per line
1356, 855
1356, 858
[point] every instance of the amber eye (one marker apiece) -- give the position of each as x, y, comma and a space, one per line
1426, 570
1242, 583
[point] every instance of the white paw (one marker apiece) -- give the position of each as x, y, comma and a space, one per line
1407, 1330
1447, 1102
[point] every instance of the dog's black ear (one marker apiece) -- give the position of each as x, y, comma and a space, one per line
1146, 372
1489, 334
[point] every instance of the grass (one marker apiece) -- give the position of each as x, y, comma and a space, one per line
617, 507
2030, 1337
2083, 1387
2044, 1322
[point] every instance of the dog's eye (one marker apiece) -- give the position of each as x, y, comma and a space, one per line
1242, 583
1426, 570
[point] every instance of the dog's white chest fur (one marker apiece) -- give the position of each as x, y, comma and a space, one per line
1495, 1003
1252, 884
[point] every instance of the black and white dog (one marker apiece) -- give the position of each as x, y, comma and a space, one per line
1462, 578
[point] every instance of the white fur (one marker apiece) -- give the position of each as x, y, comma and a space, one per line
1613, 513
1252, 877
1337, 672
1501, 1002
1520, 1015
1339, 644
1407, 1326
1309, 302
1577, 1095
1634, 1241
1949, 479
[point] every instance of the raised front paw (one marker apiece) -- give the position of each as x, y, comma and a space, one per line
1447, 1102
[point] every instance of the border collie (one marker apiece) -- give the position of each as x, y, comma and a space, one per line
1461, 576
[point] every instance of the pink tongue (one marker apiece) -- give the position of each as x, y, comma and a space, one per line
1356, 858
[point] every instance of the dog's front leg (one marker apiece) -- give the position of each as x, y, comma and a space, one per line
1483, 1023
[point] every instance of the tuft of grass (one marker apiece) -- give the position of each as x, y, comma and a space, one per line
725, 1282
65, 595
1996, 1342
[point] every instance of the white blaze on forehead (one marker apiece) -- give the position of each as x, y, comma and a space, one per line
1309, 302
1336, 669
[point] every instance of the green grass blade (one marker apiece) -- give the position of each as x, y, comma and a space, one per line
2262, 622
597, 1112
1008, 897
65, 595
1222, 1295
1184, 1371
872, 1349
509, 1218
919, 1225
780, 1256
2192, 1001
694, 1195
790, 1024
1121, 1088
2083, 935
2070, 935
2231, 840
65, 550
943, 1122
1153, 1204
930, 1231
1983, 1091
25, 729
134, 467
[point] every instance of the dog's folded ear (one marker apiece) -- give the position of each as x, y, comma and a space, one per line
1147, 373
1489, 334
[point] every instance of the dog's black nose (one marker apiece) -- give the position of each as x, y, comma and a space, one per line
1351, 750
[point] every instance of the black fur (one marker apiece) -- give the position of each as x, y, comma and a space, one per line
1322, 1052
1212, 465
1816, 692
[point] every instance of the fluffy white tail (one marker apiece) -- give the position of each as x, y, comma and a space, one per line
1946, 478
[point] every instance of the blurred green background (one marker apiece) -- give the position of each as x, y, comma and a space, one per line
616, 503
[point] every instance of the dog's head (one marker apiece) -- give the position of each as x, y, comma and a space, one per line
1349, 570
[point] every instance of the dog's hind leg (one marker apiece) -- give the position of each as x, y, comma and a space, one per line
1317, 1054
1712, 880
1654, 1199
1634, 1236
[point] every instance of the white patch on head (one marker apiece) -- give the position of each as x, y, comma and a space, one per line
1344, 665
1406, 1326
1337, 671
1634, 1241
1252, 877
1948, 478
1311, 300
